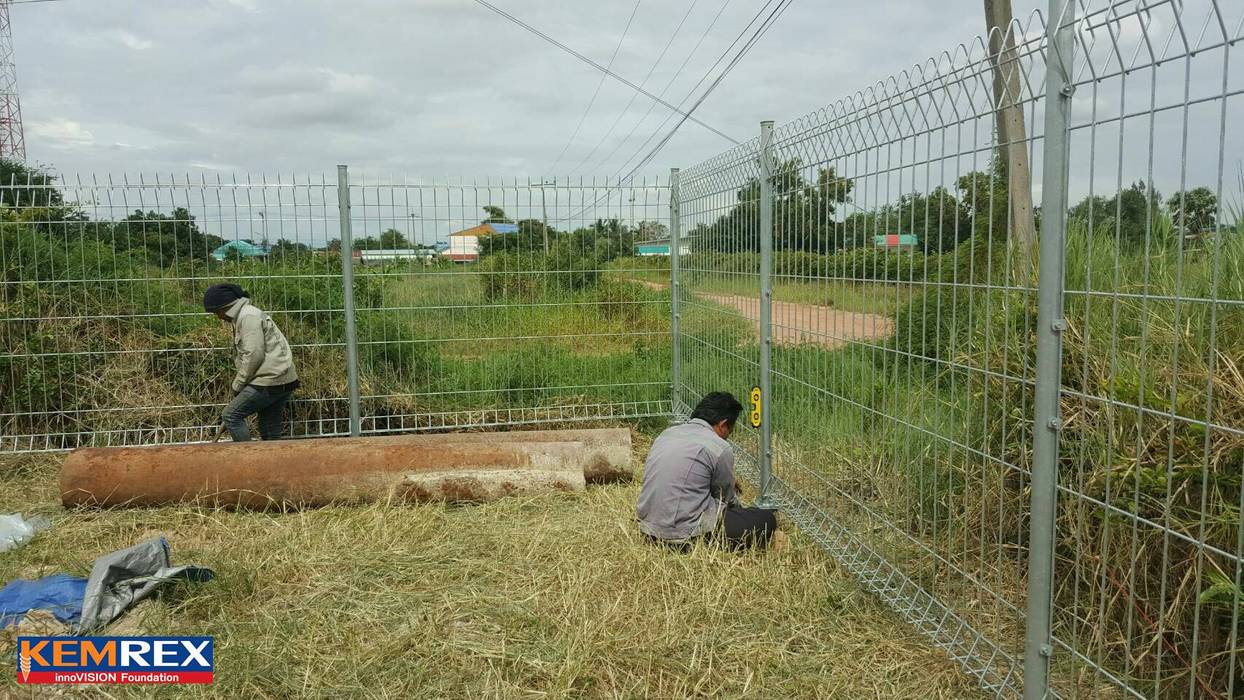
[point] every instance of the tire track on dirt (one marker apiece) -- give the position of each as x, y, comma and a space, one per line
802, 324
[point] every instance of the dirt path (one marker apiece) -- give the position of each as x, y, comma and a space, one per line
803, 324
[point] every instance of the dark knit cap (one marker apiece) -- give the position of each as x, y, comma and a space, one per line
218, 296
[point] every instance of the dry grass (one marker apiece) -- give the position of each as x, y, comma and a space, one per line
542, 597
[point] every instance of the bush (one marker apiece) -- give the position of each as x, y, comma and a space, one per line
528, 276
389, 348
1143, 340
628, 301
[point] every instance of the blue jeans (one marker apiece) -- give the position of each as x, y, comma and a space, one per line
251, 400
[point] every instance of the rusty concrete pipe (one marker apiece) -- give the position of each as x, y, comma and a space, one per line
313, 472
606, 454
481, 485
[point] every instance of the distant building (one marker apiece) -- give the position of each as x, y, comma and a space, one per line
659, 247
464, 245
244, 248
897, 241
383, 256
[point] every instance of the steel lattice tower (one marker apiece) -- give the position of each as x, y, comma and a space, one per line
12, 139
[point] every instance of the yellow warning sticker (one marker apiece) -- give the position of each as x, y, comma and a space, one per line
756, 403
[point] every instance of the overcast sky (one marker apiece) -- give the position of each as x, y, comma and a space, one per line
435, 88
430, 87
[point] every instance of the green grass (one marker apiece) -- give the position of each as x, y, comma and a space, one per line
905, 450
544, 597
446, 340
920, 440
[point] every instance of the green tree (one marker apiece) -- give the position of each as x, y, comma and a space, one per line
651, 231
803, 213
165, 239
392, 239
366, 243
1193, 211
496, 215
23, 186
530, 237
1128, 215
936, 219
984, 196
291, 251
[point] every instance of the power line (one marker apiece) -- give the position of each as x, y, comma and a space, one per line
747, 47
642, 83
652, 105
622, 38
709, 72
597, 66
755, 38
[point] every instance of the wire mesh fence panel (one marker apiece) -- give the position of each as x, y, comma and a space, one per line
103, 337
902, 297
718, 286
475, 303
904, 385
503, 301
1149, 540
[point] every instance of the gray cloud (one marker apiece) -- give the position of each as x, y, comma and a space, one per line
430, 87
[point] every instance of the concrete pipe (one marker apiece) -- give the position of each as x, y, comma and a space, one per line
480, 485
606, 454
313, 472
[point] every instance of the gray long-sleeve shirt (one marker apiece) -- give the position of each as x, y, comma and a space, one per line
688, 482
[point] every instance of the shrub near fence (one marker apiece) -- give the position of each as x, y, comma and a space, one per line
529, 275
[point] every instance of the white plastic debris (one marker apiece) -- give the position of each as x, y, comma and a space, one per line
16, 530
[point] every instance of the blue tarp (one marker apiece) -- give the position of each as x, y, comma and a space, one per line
60, 594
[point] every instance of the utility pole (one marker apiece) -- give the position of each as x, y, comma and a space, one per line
12, 137
1012, 136
544, 213
263, 217
633, 224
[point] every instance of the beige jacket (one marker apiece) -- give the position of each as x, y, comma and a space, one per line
260, 351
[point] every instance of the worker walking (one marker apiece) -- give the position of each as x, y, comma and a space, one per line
689, 491
265, 377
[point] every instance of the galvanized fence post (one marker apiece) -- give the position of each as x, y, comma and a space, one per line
766, 312
347, 283
1038, 647
675, 288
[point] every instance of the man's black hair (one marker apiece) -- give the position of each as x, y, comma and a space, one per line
718, 406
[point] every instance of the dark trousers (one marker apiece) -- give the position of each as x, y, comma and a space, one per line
740, 528
746, 527
267, 402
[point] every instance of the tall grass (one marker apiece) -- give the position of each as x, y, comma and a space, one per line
97, 340
921, 444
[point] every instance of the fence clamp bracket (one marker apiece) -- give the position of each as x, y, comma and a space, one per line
1055, 424
1059, 325
1047, 651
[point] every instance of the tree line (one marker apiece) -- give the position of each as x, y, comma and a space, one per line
806, 213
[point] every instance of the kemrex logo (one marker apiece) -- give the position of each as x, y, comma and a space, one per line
115, 660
